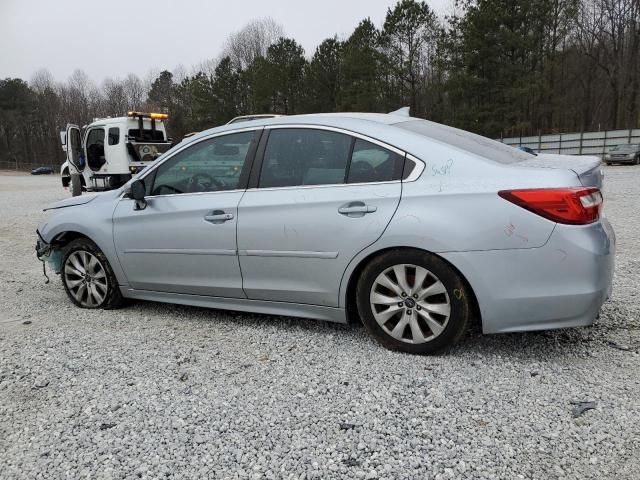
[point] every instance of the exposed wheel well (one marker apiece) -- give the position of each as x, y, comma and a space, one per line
65, 177
351, 304
65, 238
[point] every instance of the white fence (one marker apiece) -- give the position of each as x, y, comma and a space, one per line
585, 143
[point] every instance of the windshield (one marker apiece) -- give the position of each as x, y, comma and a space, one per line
625, 148
472, 143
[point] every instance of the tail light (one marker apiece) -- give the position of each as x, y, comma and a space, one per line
572, 206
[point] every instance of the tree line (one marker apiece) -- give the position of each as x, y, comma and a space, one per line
494, 67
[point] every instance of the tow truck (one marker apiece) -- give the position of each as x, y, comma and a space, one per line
105, 154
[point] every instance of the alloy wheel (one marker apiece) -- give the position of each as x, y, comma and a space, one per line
86, 278
410, 303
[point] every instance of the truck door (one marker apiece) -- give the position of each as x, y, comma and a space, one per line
75, 151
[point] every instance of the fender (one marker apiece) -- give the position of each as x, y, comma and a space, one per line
96, 225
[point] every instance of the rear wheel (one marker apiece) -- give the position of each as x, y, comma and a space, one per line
87, 276
413, 301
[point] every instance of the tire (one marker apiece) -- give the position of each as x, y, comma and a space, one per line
87, 276
608, 164
76, 185
429, 326
637, 162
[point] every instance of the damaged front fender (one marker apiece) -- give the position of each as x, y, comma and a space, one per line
50, 254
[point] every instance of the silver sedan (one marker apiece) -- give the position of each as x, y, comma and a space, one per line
415, 228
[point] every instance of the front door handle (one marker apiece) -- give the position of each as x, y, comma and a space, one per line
218, 216
356, 209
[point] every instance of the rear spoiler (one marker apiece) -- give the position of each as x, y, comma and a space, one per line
586, 167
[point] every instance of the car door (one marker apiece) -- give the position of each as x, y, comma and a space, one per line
184, 241
315, 205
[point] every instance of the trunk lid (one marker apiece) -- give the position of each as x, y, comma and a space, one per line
586, 167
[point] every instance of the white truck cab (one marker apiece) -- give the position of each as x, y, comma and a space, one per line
106, 153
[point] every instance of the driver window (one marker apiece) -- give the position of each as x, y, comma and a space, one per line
209, 166
95, 148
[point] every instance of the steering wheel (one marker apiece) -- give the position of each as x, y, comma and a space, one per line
196, 185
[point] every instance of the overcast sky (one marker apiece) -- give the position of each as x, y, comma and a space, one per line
114, 37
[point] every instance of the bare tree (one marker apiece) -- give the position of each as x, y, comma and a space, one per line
179, 73
609, 35
208, 67
244, 46
77, 104
134, 91
41, 81
115, 99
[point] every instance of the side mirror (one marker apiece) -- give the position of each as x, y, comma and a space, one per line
138, 191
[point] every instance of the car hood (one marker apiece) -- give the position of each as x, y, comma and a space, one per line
73, 201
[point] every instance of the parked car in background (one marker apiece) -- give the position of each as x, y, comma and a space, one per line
527, 149
42, 171
627, 153
414, 227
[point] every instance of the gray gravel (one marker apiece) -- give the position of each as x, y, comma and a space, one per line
156, 391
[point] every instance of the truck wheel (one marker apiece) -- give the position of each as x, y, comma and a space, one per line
76, 185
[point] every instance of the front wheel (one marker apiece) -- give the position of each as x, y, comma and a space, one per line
87, 276
413, 301
76, 185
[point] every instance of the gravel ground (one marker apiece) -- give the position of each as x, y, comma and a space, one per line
155, 391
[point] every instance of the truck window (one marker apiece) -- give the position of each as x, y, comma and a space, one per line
95, 148
147, 135
114, 136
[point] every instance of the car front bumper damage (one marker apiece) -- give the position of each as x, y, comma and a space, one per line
48, 253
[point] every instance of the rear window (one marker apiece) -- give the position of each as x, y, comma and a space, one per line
114, 136
147, 135
470, 142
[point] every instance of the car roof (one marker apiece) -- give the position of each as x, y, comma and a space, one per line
409, 138
351, 120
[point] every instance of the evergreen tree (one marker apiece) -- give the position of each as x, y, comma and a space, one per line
323, 77
361, 70
409, 36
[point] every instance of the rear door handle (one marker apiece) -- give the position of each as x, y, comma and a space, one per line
356, 209
218, 216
